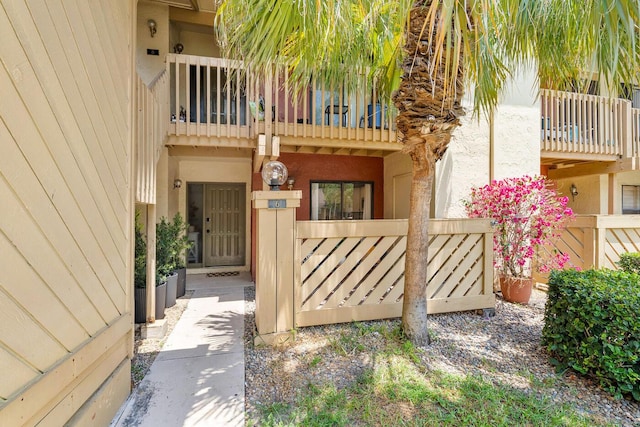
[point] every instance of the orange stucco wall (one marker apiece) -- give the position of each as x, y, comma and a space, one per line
322, 167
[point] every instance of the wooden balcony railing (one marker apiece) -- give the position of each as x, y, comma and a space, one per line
326, 112
208, 97
586, 124
217, 97
153, 108
580, 127
635, 132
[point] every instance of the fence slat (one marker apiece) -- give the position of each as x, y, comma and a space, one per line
357, 272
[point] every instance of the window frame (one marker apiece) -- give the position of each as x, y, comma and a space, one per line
341, 182
635, 211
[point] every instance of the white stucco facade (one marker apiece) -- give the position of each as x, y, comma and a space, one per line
468, 161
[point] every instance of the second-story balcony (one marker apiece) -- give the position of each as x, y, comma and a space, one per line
219, 102
579, 128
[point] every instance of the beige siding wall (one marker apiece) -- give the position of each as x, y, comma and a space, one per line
65, 221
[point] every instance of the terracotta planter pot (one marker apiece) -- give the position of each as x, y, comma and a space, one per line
516, 289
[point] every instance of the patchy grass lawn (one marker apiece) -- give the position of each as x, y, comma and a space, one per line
397, 389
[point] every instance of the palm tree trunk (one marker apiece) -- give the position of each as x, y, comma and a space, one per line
427, 115
414, 309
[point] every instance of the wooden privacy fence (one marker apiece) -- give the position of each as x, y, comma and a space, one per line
354, 270
596, 241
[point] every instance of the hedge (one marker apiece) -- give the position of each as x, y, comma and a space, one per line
630, 262
592, 325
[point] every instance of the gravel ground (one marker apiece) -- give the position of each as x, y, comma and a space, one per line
505, 348
146, 350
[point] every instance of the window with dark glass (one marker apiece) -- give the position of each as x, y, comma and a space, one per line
631, 199
341, 200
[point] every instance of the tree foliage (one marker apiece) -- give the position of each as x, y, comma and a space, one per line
424, 54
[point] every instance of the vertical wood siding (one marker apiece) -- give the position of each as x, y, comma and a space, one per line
65, 191
151, 134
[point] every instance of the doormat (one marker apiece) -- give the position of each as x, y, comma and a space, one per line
223, 274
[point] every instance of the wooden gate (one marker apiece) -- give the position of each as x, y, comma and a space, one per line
354, 270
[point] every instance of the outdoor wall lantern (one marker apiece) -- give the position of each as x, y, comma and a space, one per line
290, 183
178, 48
574, 191
177, 183
274, 174
152, 27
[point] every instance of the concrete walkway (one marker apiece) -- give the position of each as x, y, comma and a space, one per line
198, 377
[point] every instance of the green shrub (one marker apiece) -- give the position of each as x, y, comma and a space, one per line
140, 265
592, 326
165, 253
630, 262
172, 243
181, 243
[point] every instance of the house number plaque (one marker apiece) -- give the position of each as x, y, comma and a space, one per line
277, 204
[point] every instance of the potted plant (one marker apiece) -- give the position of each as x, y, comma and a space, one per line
140, 273
166, 278
527, 214
181, 244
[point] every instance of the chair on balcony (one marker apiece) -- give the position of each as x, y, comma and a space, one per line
377, 116
336, 110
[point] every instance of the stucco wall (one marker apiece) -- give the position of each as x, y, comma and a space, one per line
162, 185
397, 185
592, 193
149, 66
321, 167
516, 147
464, 165
202, 165
201, 44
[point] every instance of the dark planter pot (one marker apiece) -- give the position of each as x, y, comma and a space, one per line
172, 287
140, 305
182, 282
161, 299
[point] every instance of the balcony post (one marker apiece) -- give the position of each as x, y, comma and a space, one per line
625, 132
268, 111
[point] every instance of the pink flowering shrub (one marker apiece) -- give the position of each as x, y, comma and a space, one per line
527, 214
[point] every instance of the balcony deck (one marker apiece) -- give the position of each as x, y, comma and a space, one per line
217, 102
586, 130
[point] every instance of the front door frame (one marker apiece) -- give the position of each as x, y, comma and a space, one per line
221, 227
